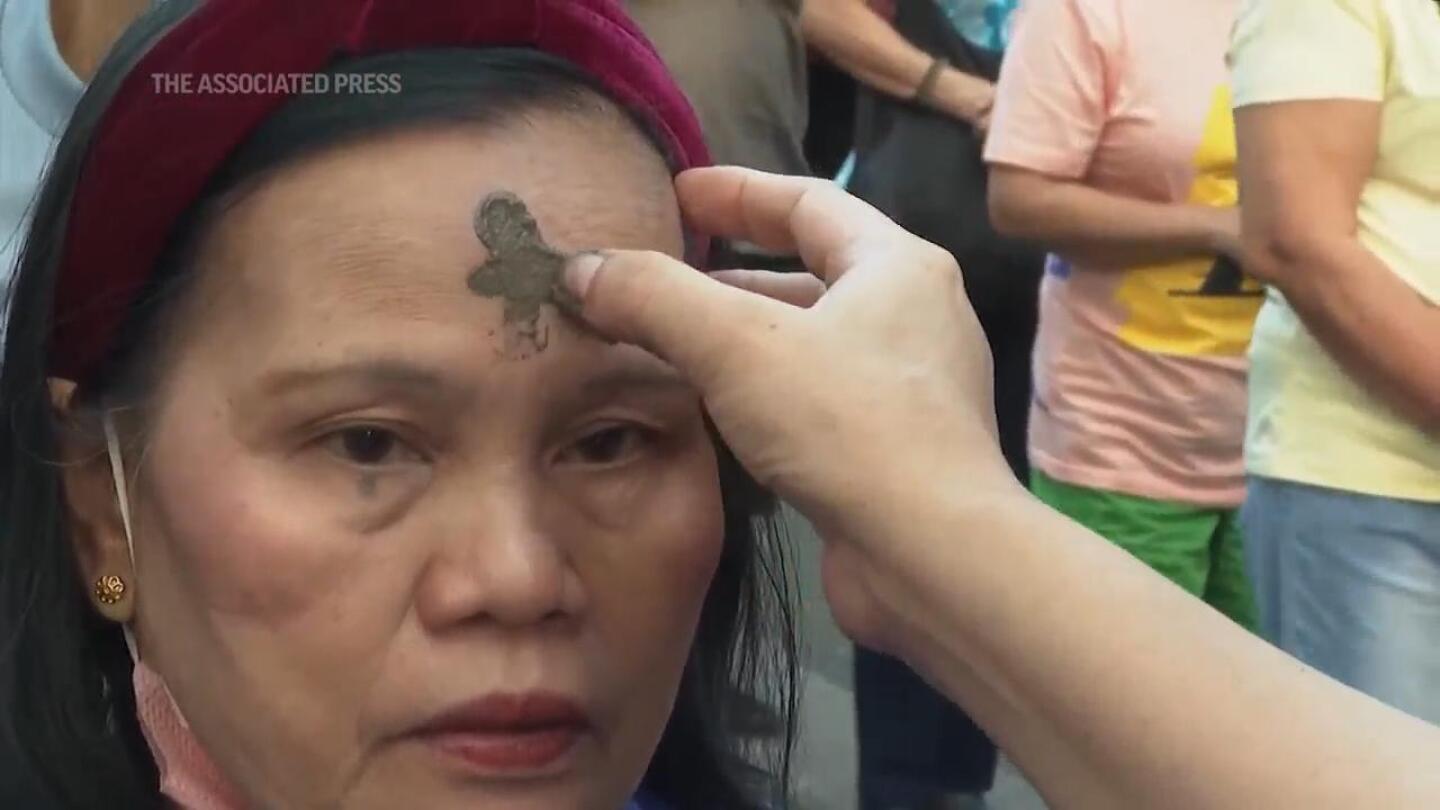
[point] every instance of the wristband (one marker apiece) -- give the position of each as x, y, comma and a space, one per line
928, 81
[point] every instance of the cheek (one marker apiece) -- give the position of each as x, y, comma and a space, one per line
250, 534
687, 555
689, 533
267, 622
242, 547
658, 567
239, 563
645, 601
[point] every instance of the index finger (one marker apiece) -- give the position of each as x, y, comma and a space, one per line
815, 218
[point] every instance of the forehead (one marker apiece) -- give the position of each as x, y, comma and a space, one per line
389, 221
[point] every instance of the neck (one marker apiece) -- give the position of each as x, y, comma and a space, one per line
85, 29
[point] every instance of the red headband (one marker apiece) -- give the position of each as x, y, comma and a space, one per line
153, 152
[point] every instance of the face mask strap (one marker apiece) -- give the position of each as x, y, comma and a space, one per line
122, 497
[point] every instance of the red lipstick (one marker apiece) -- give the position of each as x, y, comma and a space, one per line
509, 735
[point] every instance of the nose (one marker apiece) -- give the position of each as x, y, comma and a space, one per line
497, 562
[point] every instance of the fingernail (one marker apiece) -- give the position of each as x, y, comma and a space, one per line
580, 272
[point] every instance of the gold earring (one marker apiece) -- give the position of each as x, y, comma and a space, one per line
109, 589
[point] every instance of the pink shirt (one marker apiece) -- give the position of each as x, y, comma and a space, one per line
1140, 371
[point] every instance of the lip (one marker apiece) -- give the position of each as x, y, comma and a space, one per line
514, 735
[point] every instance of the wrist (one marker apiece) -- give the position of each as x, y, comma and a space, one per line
1221, 231
908, 511
926, 89
959, 96
936, 571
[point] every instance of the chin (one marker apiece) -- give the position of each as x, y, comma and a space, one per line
537, 796
437, 784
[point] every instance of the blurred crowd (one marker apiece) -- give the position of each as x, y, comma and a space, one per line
1246, 397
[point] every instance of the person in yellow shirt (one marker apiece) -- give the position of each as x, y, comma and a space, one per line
1338, 123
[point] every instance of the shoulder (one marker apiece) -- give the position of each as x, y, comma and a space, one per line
1257, 19
1275, 44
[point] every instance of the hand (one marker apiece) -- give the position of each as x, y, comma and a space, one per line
966, 97
1224, 224
982, 124
858, 398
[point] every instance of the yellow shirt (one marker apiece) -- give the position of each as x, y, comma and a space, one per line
1308, 421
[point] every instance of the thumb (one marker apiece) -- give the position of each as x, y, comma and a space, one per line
667, 307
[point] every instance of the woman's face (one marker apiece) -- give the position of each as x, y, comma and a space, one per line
393, 551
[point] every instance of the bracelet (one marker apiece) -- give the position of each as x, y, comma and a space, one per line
928, 81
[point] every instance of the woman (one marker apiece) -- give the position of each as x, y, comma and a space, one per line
1338, 115
1112, 144
381, 527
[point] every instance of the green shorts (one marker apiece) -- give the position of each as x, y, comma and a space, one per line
1198, 548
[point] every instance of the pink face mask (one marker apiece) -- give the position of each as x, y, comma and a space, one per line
188, 777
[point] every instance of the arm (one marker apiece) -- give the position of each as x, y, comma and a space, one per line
1110, 686
1051, 112
1102, 229
1303, 166
860, 42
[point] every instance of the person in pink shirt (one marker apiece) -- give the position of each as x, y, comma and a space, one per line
1113, 144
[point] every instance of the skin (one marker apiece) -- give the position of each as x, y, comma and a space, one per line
1104, 230
859, 41
1107, 684
85, 29
1304, 166
354, 511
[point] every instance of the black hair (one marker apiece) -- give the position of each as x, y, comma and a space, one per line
68, 733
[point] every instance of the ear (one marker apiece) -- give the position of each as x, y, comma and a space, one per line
97, 532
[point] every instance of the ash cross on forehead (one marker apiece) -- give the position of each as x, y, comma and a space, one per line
521, 269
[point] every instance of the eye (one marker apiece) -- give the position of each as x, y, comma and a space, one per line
609, 445
369, 446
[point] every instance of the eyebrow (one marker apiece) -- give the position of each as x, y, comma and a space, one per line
378, 372
398, 374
